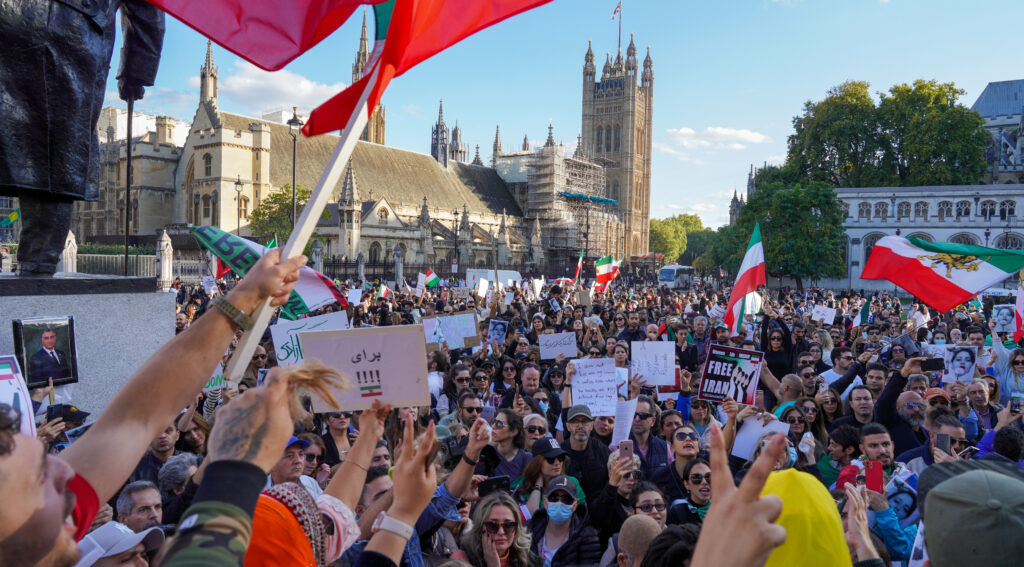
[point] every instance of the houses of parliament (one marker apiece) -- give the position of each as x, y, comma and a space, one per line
524, 204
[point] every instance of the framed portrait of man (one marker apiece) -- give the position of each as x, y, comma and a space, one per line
45, 347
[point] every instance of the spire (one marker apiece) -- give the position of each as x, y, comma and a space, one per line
550, 142
750, 181
440, 111
439, 143
349, 193
578, 154
647, 77
476, 158
424, 213
526, 143
607, 65
588, 64
362, 55
631, 56
617, 66
496, 150
208, 77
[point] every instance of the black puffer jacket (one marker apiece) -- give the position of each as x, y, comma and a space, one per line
582, 547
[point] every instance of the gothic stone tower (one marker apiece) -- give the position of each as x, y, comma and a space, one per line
374, 131
617, 120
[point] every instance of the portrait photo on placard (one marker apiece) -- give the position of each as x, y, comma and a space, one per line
45, 347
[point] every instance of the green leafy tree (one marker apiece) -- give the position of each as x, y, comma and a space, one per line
696, 244
669, 236
273, 216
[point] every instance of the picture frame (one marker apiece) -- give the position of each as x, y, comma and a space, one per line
44, 356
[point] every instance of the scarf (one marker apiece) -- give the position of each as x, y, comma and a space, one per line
287, 529
701, 510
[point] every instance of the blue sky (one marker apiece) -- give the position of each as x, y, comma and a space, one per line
729, 76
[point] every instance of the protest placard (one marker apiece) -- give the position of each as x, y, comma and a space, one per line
377, 363
536, 286
558, 343
716, 312
421, 284
460, 292
750, 431
432, 334
826, 315
497, 330
510, 296
655, 361
458, 330
355, 295
960, 363
209, 285
555, 305
594, 385
1004, 317
216, 380
286, 334
14, 391
730, 372
624, 412
584, 297
622, 381
481, 288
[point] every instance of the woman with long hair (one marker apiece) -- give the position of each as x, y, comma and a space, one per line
458, 378
508, 376
498, 537
697, 482
685, 443
815, 420
817, 351
824, 338
701, 418
830, 406
799, 425
549, 460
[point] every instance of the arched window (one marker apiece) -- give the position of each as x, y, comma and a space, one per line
375, 253
135, 215
903, 210
243, 208
206, 206
600, 131
988, 209
964, 238
618, 132
963, 209
608, 138
844, 249
882, 211
923, 236
921, 210
1007, 209
195, 208
1010, 241
945, 209
615, 190
636, 245
869, 243
382, 215
207, 165
864, 211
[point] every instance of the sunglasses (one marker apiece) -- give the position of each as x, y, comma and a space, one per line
847, 357
551, 460
1018, 362
807, 375
914, 405
647, 507
499, 424
473, 409
643, 415
684, 435
775, 338
493, 527
509, 369
635, 475
700, 479
598, 353
258, 356
563, 498
310, 457
794, 420
339, 414
536, 429
462, 380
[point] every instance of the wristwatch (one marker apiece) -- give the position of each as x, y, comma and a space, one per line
236, 315
389, 524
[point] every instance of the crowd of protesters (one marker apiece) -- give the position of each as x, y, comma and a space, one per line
503, 470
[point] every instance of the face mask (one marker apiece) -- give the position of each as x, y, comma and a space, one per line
559, 512
791, 457
543, 406
940, 341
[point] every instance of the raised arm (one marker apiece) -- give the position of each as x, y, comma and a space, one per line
169, 381
347, 484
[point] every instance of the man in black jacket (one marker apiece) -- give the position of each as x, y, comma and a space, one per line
633, 331
588, 457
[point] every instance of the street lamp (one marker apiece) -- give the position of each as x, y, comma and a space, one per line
455, 249
988, 232
294, 127
238, 203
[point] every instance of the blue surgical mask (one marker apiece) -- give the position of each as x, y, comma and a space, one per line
940, 341
559, 512
791, 457
543, 406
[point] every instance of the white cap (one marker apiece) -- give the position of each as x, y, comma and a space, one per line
114, 538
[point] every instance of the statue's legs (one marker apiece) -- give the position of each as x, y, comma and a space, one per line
46, 220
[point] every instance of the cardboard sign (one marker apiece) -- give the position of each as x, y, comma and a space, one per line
355, 295
1005, 318
960, 363
378, 364
458, 330
209, 285
481, 288
730, 372
537, 285
655, 361
216, 380
624, 412
584, 297
14, 391
750, 431
716, 312
559, 343
460, 292
594, 385
510, 296
286, 334
497, 330
826, 315
421, 284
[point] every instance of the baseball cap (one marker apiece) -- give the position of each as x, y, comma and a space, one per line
113, 538
935, 393
560, 482
296, 441
975, 518
547, 447
578, 410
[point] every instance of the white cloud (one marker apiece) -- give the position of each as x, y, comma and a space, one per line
252, 90
716, 136
679, 155
412, 109
720, 195
693, 208
777, 159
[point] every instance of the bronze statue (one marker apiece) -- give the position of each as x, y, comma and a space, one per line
52, 81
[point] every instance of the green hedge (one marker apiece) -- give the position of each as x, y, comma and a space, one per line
114, 249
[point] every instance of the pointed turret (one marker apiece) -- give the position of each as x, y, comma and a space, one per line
550, 142
496, 150
578, 154
464, 224
457, 149
631, 63
349, 192
208, 77
647, 77
750, 182
424, 212
476, 158
617, 65
363, 55
588, 64
349, 212
526, 143
607, 65
439, 138
536, 243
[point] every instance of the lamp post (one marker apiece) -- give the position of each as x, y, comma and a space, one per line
988, 233
294, 127
455, 250
238, 204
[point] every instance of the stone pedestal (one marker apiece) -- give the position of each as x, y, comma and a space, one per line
119, 323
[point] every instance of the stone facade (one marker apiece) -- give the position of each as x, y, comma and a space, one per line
1001, 104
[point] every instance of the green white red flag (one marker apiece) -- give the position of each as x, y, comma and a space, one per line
432, 279
863, 314
607, 269
942, 275
383, 291
744, 299
1018, 318
579, 266
313, 290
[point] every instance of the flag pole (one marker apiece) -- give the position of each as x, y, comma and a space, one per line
303, 230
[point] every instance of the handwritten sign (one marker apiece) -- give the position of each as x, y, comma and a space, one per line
481, 288
286, 334
655, 361
537, 285
209, 285
826, 315
497, 330
750, 431
584, 296
377, 364
510, 296
355, 295
624, 412
421, 284
716, 312
14, 391
594, 385
730, 372
559, 343
460, 292
216, 380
